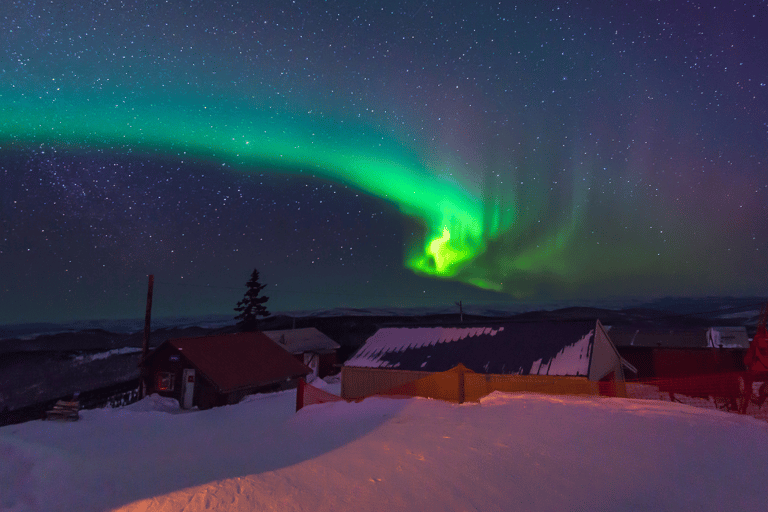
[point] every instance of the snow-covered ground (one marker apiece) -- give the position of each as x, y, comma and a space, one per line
103, 355
510, 452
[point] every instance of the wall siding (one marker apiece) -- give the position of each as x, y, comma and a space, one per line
478, 385
362, 382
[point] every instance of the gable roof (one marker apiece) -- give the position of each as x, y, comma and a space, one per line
525, 348
237, 361
298, 341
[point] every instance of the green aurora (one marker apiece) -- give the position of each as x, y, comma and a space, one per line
520, 240
378, 154
458, 224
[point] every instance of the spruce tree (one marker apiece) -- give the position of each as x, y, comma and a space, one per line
251, 306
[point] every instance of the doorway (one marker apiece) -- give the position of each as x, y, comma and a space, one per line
188, 388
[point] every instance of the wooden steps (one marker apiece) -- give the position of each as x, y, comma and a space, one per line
64, 411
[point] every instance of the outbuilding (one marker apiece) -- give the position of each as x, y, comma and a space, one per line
672, 352
309, 346
548, 357
218, 370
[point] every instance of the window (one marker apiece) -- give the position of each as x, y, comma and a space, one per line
164, 381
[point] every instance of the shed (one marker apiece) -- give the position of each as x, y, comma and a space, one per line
536, 356
679, 352
701, 337
309, 346
219, 370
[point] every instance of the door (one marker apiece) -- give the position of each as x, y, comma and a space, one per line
188, 388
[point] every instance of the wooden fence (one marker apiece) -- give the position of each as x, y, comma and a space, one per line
461, 384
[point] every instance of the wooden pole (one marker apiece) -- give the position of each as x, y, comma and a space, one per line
145, 345
300, 394
147, 317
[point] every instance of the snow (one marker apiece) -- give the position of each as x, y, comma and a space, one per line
103, 355
510, 452
571, 360
398, 339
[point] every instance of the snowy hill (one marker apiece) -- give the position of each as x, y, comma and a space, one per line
511, 452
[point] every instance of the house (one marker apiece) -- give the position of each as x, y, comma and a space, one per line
218, 370
309, 346
663, 352
550, 357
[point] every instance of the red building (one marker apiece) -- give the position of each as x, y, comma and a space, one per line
681, 352
218, 370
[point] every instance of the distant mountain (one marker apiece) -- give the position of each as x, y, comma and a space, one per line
668, 311
121, 326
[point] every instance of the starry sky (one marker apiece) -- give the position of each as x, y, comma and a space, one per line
378, 154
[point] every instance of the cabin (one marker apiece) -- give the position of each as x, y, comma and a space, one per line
670, 352
309, 346
549, 357
211, 371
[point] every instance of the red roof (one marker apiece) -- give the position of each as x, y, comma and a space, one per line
241, 360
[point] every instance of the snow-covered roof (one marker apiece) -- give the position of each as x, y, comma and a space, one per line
525, 348
299, 341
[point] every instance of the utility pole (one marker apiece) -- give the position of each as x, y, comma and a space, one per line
145, 345
461, 312
147, 316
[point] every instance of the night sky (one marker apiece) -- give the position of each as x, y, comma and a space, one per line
371, 154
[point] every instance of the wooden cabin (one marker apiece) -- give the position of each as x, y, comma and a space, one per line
546, 357
218, 370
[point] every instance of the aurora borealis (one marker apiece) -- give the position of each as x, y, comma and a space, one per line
379, 153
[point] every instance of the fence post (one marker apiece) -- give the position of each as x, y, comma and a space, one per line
300, 394
461, 385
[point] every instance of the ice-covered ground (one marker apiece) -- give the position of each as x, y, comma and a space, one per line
510, 452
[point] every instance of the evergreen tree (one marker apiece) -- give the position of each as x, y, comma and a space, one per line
251, 306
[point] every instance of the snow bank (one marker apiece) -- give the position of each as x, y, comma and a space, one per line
510, 452
104, 355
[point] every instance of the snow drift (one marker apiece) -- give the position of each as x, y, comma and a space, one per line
510, 452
